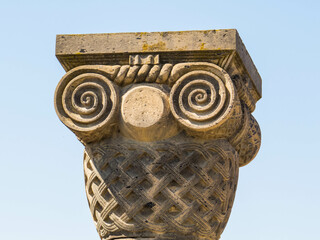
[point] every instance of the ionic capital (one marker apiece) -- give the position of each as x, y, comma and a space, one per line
166, 121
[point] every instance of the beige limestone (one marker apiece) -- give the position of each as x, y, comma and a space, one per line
145, 113
166, 122
114, 48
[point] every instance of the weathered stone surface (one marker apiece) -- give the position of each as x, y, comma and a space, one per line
216, 46
173, 189
166, 123
145, 113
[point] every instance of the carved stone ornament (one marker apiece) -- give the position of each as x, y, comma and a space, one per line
166, 122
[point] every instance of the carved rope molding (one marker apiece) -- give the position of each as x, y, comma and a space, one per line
173, 174
87, 101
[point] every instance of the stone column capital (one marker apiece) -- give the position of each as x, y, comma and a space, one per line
166, 121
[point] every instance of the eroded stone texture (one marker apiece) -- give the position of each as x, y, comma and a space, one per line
166, 123
176, 189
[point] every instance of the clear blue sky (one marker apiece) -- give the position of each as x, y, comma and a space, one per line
42, 185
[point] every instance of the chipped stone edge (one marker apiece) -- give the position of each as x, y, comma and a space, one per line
79, 44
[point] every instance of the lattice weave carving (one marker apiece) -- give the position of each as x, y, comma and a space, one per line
161, 189
166, 122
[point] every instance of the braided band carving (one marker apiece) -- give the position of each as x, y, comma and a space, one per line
244, 93
160, 189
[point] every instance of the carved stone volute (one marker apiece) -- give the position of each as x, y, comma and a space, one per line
165, 131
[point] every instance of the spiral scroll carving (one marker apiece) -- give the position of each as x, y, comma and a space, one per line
87, 104
202, 100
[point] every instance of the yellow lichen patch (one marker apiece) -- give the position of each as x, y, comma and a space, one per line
202, 46
140, 34
152, 47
